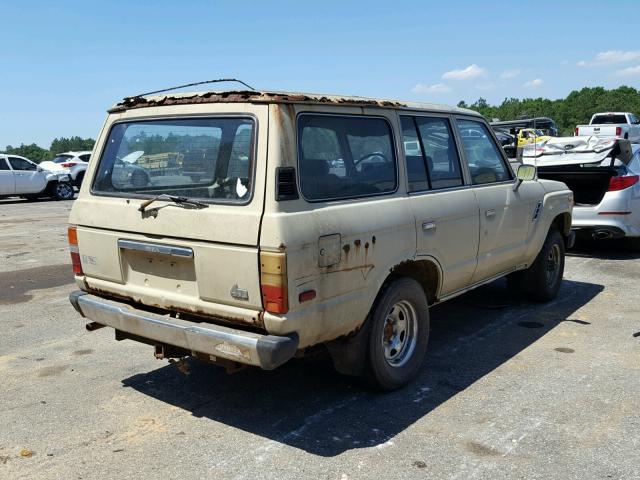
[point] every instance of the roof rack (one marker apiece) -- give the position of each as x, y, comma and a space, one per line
219, 80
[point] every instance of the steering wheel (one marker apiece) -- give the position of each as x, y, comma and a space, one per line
371, 155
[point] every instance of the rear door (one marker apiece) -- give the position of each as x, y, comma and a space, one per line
505, 214
7, 181
445, 209
200, 257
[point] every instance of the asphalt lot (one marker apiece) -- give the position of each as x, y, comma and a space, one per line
508, 389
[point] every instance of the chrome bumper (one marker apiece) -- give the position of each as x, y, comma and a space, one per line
264, 351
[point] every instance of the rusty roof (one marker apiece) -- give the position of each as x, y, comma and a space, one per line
248, 96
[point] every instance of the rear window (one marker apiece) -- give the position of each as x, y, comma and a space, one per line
62, 158
203, 158
609, 119
345, 157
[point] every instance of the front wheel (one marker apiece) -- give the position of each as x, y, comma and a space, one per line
399, 334
542, 280
63, 191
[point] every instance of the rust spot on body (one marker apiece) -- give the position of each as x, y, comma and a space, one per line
248, 96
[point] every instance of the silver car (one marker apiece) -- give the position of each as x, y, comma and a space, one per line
604, 176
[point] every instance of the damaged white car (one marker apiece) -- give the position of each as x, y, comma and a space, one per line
20, 177
603, 174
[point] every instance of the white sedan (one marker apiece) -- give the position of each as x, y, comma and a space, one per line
22, 177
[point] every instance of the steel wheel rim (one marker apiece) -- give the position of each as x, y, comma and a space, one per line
553, 264
399, 333
64, 190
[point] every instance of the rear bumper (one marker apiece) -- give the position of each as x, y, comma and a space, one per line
264, 351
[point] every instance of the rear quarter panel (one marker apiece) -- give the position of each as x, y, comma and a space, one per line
369, 236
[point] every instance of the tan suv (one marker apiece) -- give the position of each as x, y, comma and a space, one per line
248, 227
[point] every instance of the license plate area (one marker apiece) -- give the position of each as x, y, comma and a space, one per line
159, 267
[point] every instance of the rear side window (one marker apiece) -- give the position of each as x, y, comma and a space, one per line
486, 164
435, 163
203, 158
3, 164
344, 157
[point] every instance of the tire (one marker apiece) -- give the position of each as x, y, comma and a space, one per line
79, 179
139, 179
633, 244
63, 191
399, 335
542, 280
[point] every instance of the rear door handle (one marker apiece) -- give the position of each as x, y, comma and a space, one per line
490, 213
428, 226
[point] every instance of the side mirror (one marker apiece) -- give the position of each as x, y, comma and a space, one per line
38, 168
525, 173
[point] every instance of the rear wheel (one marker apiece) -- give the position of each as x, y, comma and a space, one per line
63, 191
79, 179
542, 280
633, 244
139, 179
399, 335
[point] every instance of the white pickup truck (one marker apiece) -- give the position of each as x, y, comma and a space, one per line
612, 124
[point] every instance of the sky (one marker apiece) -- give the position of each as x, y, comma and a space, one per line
64, 63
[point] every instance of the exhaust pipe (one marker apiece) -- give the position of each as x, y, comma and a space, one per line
93, 326
602, 234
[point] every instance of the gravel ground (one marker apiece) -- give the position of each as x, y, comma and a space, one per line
508, 390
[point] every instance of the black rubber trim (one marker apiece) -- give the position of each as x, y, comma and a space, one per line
73, 298
273, 351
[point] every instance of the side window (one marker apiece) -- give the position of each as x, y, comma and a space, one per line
343, 157
3, 164
485, 161
443, 164
85, 157
416, 166
21, 164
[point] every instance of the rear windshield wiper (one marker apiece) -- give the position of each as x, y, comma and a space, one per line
182, 201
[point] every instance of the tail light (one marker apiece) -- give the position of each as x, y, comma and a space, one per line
273, 282
69, 164
618, 131
620, 183
577, 134
72, 234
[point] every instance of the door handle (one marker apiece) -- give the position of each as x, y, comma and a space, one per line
428, 226
490, 213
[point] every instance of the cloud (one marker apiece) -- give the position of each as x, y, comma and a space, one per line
508, 74
535, 83
435, 88
628, 72
472, 71
610, 57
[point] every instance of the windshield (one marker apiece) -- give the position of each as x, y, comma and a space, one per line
62, 158
203, 158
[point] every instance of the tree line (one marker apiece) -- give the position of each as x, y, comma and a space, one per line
58, 145
576, 109
568, 112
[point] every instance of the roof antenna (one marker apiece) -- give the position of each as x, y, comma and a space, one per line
194, 84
